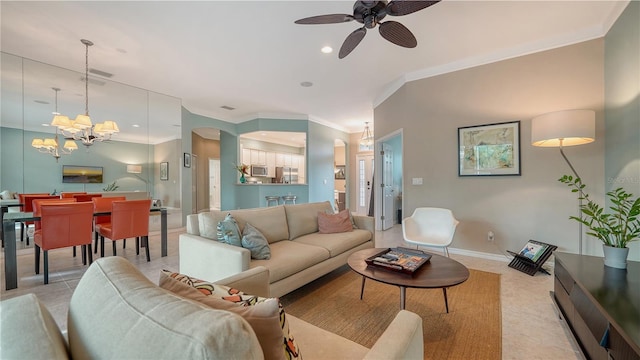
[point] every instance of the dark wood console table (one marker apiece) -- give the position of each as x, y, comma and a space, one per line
601, 305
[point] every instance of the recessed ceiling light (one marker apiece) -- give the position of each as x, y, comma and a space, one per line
135, 125
227, 107
327, 49
41, 102
306, 84
45, 124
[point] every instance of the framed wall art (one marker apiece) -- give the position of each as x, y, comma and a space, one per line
489, 150
187, 160
164, 171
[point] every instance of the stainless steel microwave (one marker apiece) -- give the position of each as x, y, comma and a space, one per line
257, 170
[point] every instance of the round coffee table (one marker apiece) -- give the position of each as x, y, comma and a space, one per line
439, 272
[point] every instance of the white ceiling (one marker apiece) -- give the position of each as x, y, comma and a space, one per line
251, 56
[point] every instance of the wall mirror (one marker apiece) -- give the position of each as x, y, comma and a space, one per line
144, 118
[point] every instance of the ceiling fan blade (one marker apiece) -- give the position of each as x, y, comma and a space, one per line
325, 19
398, 34
406, 7
351, 42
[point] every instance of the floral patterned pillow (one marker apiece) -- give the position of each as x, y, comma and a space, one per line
291, 350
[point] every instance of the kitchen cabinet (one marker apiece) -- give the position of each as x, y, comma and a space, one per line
258, 157
271, 164
246, 157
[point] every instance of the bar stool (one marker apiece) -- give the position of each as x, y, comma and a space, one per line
291, 198
272, 198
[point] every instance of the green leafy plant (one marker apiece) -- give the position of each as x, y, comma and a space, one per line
111, 187
615, 229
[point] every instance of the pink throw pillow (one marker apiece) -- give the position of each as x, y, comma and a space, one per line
334, 223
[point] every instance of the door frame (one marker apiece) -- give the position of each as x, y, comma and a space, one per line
377, 159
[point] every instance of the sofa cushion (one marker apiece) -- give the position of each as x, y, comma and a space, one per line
29, 331
284, 341
336, 243
334, 223
290, 257
264, 318
253, 240
303, 218
117, 313
227, 231
270, 221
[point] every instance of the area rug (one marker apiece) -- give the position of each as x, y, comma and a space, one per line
471, 329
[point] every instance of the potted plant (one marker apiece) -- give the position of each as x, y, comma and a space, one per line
616, 228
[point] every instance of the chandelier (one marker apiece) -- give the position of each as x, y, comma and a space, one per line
366, 141
82, 128
51, 146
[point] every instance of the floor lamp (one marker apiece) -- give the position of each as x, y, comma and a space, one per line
565, 128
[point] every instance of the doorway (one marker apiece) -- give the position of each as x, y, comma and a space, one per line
364, 175
340, 188
388, 211
214, 184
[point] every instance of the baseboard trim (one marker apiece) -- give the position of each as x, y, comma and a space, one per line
478, 254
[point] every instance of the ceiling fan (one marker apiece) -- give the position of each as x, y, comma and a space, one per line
370, 14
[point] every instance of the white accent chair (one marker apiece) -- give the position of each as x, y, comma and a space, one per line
429, 226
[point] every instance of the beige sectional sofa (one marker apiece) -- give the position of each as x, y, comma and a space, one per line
117, 313
299, 253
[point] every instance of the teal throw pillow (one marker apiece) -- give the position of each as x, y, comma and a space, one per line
253, 240
228, 231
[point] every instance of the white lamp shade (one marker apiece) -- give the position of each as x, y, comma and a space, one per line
37, 143
563, 128
61, 121
110, 127
50, 143
70, 145
82, 122
134, 169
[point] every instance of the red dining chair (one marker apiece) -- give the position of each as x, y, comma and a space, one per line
37, 203
102, 204
63, 225
129, 218
86, 197
70, 194
27, 206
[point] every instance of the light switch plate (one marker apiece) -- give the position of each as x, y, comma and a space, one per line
416, 181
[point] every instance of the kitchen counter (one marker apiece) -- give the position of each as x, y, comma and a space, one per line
254, 195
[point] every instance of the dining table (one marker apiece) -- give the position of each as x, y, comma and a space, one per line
9, 220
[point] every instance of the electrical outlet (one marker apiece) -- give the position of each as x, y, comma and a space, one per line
491, 236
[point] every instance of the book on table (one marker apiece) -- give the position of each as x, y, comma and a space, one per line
399, 259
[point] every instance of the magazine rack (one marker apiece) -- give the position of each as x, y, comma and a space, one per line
531, 258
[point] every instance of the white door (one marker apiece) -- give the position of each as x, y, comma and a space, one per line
364, 171
214, 184
388, 195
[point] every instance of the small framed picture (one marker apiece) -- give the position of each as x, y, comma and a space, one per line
187, 160
164, 171
489, 150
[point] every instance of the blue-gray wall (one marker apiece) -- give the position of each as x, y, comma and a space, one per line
24, 169
319, 161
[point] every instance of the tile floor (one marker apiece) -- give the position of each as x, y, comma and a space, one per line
531, 328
